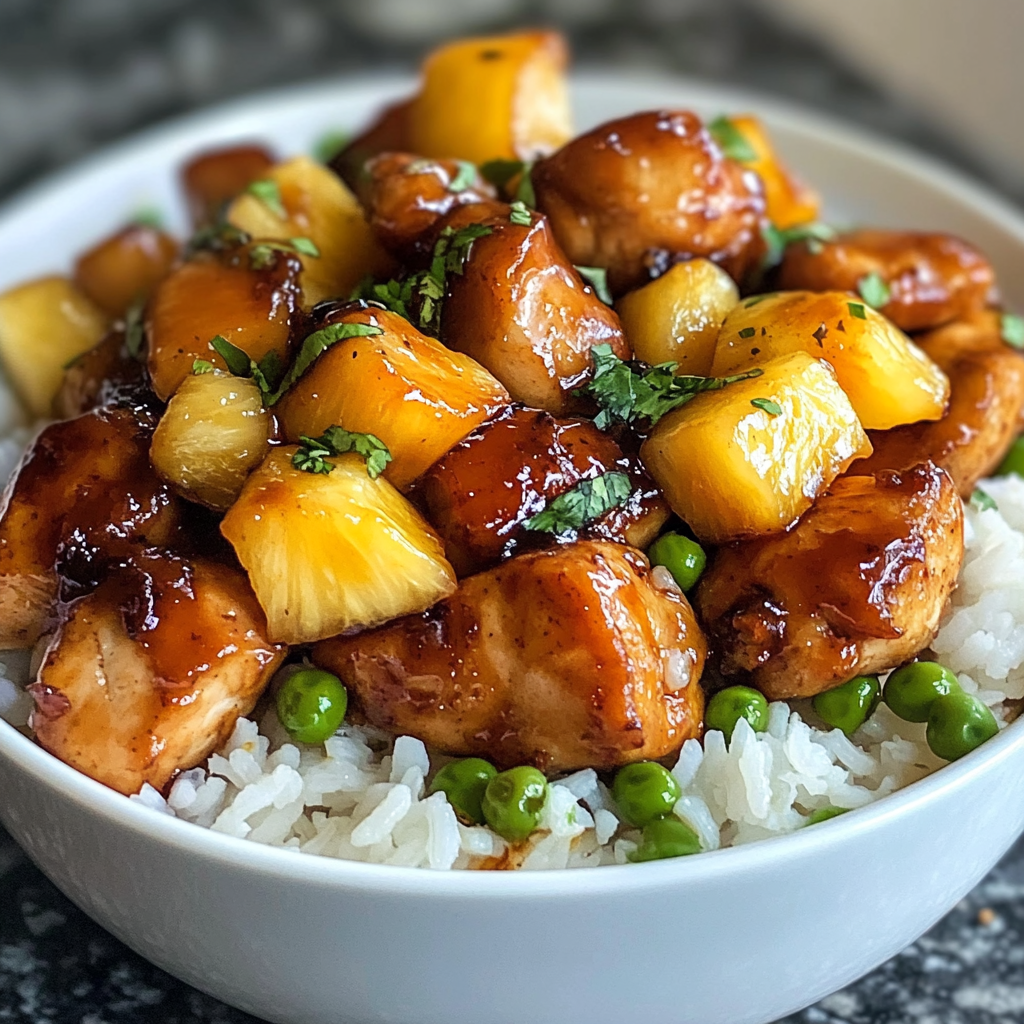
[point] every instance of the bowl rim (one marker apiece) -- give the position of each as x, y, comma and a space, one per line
288, 864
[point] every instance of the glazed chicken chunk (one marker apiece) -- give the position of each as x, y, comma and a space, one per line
146, 675
986, 406
577, 656
638, 194
857, 586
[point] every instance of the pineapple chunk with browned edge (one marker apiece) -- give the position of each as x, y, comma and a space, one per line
750, 459
417, 396
214, 432
317, 206
889, 380
494, 97
676, 318
44, 324
331, 552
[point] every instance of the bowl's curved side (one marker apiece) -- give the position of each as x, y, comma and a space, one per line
744, 936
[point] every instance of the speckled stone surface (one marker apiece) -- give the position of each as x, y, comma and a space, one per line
77, 73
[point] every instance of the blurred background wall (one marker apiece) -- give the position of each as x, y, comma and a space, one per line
940, 74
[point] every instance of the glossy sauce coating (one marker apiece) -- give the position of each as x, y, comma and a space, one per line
986, 406
147, 674
481, 492
85, 495
562, 659
637, 194
212, 179
521, 309
105, 376
932, 278
858, 585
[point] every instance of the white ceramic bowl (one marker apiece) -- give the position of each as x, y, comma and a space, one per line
739, 936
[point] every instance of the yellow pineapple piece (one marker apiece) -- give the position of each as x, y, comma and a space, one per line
495, 97
331, 552
213, 433
676, 318
44, 324
316, 205
751, 458
417, 396
889, 380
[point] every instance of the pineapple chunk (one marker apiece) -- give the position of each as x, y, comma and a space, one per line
418, 397
253, 309
889, 380
788, 200
318, 206
676, 318
732, 468
495, 97
331, 552
214, 432
125, 267
44, 324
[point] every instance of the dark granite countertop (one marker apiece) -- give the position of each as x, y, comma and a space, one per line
77, 73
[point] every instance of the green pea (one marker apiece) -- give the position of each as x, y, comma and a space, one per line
825, 813
464, 782
645, 791
847, 707
666, 837
912, 689
958, 723
311, 705
513, 800
1014, 461
684, 558
728, 706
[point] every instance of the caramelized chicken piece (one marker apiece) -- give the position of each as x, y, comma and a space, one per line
563, 659
125, 267
85, 494
932, 278
106, 375
521, 309
479, 495
388, 134
147, 675
212, 179
253, 307
406, 197
638, 194
985, 413
857, 586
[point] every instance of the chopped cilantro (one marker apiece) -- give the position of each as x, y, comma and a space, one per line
748, 332
582, 504
465, 177
313, 451
149, 217
1012, 329
857, 309
305, 246
520, 214
236, 360
873, 290
216, 237
731, 141
201, 366
597, 278
776, 240
982, 500
770, 407
268, 192
500, 172
313, 346
330, 144
626, 392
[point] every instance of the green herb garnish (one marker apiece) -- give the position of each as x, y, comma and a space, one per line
1012, 329
264, 254
626, 392
216, 237
330, 144
731, 141
464, 177
268, 192
201, 366
314, 345
520, 214
857, 309
149, 217
776, 240
597, 278
770, 407
314, 451
873, 290
265, 374
582, 504
501, 172
982, 500
135, 329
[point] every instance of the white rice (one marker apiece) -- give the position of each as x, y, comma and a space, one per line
362, 795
